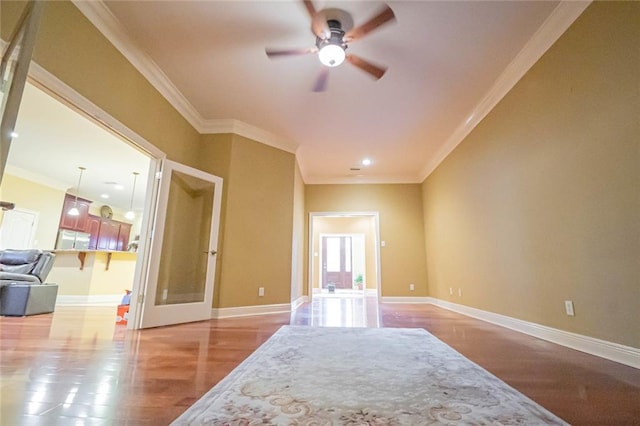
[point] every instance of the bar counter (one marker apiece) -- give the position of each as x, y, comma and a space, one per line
92, 275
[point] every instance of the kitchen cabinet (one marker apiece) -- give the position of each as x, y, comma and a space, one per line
93, 228
112, 235
74, 223
108, 235
123, 236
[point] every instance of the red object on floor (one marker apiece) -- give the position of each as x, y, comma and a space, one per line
123, 314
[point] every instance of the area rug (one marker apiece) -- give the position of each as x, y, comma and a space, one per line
361, 376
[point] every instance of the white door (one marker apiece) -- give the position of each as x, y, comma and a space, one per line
182, 262
18, 229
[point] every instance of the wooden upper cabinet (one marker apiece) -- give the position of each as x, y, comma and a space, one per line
93, 228
123, 236
108, 236
75, 223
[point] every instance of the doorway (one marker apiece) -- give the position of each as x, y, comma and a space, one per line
40, 177
18, 229
343, 255
337, 263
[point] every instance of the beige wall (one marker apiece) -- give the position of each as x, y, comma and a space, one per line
258, 204
402, 260
44, 200
364, 225
297, 245
216, 159
540, 204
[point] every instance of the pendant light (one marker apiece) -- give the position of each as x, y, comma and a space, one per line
73, 211
130, 214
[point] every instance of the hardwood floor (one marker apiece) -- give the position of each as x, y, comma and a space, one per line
77, 367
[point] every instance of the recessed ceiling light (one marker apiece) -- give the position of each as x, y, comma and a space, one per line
366, 162
118, 187
104, 196
14, 135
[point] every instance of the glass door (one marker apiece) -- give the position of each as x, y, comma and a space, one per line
183, 249
336, 263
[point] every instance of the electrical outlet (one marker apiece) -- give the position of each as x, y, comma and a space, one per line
260, 291
459, 292
165, 293
451, 291
568, 307
411, 287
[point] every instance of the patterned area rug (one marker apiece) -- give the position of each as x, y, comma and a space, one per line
361, 376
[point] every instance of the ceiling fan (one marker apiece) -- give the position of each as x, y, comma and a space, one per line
333, 29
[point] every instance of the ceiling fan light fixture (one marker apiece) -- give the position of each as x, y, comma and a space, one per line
331, 55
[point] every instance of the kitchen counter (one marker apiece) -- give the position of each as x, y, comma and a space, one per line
82, 255
91, 275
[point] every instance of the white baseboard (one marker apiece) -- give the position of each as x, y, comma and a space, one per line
299, 301
396, 299
612, 351
89, 300
243, 311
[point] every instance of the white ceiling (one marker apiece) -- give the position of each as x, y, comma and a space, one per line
443, 58
448, 64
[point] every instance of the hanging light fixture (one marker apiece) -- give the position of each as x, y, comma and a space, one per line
73, 211
130, 214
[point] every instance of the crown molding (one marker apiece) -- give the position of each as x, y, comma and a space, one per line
249, 131
549, 32
102, 18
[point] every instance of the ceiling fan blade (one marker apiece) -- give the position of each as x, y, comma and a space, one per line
374, 70
321, 81
385, 15
319, 25
308, 4
272, 53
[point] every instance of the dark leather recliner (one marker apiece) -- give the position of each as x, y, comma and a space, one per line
23, 290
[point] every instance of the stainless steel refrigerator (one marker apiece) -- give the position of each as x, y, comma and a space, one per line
73, 240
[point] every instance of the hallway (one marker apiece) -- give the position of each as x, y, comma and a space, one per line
340, 310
